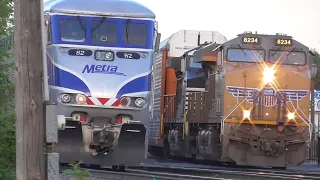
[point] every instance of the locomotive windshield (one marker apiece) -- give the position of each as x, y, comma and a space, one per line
72, 30
245, 55
287, 57
134, 33
104, 32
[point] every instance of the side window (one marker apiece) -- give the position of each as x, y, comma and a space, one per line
104, 32
134, 34
72, 30
192, 64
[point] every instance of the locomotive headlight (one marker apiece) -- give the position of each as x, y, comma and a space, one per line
104, 55
65, 98
268, 75
81, 99
139, 102
125, 101
290, 116
246, 114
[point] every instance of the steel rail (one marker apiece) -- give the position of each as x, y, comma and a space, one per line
180, 173
229, 174
103, 174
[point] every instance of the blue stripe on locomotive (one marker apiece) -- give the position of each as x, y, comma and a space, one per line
139, 84
55, 19
61, 78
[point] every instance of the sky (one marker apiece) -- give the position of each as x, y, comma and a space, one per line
297, 18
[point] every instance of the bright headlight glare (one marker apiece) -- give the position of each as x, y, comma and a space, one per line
139, 102
268, 75
246, 114
65, 98
290, 116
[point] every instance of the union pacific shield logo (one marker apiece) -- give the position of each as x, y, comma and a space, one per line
269, 95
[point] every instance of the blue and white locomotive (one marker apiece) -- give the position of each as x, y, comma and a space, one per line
99, 58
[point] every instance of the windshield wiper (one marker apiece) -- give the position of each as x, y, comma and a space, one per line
290, 52
79, 19
245, 54
255, 48
127, 34
275, 51
102, 20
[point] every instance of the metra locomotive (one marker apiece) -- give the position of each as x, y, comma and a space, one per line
99, 55
255, 107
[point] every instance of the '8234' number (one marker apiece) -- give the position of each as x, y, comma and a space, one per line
284, 41
250, 40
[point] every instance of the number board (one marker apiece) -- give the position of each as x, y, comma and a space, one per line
79, 52
283, 42
128, 55
317, 94
250, 40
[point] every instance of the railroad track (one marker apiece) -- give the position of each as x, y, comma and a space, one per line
231, 174
136, 174
159, 172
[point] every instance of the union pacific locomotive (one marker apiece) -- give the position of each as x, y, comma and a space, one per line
253, 110
99, 58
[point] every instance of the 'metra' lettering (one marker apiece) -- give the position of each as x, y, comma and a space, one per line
99, 69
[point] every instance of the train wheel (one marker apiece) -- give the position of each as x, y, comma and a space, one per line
115, 168
122, 168
118, 168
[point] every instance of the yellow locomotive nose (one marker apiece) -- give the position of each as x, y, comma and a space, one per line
268, 75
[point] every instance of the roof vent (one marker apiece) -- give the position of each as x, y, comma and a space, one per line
247, 32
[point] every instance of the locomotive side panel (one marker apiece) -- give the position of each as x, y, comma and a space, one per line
155, 122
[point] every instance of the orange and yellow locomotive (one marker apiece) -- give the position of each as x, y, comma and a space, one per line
255, 107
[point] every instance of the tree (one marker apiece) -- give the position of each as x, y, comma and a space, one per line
7, 117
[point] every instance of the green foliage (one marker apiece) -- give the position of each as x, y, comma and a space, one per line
7, 116
76, 171
7, 121
7, 146
6, 10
